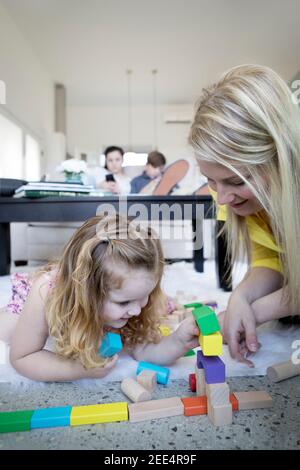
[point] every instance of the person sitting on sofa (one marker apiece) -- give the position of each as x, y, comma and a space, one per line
114, 178
147, 181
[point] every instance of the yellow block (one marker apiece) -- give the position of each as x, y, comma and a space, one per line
92, 414
211, 345
165, 330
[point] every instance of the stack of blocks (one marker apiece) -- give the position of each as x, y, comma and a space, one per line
210, 370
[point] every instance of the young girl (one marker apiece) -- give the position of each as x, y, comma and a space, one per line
107, 279
246, 136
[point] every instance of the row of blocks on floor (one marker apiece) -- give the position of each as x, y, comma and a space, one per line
122, 411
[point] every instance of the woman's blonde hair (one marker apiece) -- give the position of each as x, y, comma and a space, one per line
249, 122
85, 275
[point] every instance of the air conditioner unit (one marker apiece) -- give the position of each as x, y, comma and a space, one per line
177, 118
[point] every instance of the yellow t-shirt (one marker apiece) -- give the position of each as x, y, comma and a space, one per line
264, 250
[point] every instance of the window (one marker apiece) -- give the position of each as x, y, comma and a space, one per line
11, 149
32, 159
19, 152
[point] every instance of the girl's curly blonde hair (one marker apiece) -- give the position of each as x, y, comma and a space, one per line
84, 277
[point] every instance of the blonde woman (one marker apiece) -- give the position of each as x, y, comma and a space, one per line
246, 137
107, 279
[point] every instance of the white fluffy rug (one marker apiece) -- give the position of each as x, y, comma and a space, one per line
276, 340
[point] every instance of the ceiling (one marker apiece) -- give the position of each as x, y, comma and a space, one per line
89, 44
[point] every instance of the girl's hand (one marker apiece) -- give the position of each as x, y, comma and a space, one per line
188, 333
99, 372
238, 327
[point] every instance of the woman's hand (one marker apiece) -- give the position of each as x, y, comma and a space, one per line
99, 372
238, 327
187, 334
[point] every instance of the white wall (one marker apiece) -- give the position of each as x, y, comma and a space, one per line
91, 128
29, 88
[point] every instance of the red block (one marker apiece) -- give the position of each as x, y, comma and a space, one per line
234, 402
192, 382
195, 405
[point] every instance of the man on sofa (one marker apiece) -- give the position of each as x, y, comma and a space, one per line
147, 181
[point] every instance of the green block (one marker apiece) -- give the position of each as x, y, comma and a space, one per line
191, 352
193, 305
206, 319
13, 421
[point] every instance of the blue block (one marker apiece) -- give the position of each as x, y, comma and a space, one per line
214, 368
162, 373
51, 417
111, 345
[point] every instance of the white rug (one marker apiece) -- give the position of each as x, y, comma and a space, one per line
276, 340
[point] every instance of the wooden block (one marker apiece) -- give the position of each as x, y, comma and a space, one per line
282, 371
195, 405
165, 330
180, 314
147, 379
200, 381
134, 390
14, 421
111, 345
218, 394
169, 322
155, 409
254, 399
162, 373
211, 345
206, 319
214, 368
192, 382
219, 415
51, 417
105, 413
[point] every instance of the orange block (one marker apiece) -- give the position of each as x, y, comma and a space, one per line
195, 405
234, 402
198, 405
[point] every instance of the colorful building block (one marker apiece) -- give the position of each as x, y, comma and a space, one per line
147, 379
214, 368
162, 373
253, 400
155, 409
13, 421
191, 352
133, 390
195, 405
51, 417
165, 330
206, 320
111, 345
192, 382
193, 305
211, 345
105, 413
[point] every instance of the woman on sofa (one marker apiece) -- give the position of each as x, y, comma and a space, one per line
114, 178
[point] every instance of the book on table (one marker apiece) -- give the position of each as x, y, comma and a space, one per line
53, 189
